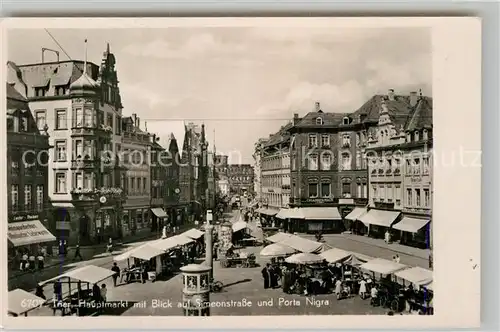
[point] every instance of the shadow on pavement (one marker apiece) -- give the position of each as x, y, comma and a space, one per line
236, 283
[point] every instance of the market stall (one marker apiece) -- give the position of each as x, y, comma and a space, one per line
71, 302
21, 302
277, 250
417, 276
151, 257
305, 258
193, 233
304, 245
335, 255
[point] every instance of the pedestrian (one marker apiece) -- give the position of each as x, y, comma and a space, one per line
96, 293
362, 289
115, 269
24, 262
40, 259
394, 259
65, 247
398, 259
374, 295
387, 237
32, 262
109, 247
104, 292
39, 292
338, 288
266, 275
78, 254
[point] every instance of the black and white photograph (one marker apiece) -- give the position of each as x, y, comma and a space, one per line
220, 171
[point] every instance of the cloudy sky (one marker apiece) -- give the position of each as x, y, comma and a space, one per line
244, 83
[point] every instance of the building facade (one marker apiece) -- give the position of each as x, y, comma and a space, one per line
221, 171
257, 157
275, 183
136, 151
27, 169
80, 104
158, 174
172, 190
240, 178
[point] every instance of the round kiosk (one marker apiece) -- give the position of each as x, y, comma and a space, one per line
196, 289
225, 238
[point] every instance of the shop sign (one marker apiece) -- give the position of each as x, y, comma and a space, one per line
25, 217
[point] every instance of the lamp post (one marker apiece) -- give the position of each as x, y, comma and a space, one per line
209, 246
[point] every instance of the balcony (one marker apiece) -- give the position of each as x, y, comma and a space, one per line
103, 131
108, 196
85, 163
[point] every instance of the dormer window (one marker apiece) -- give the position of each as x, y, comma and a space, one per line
425, 135
417, 136
40, 91
408, 137
60, 90
319, 120
346, 120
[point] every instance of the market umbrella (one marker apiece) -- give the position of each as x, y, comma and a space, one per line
276, 250
304, 258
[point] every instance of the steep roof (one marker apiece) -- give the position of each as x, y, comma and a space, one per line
282, 136
13, 94
398, 109
422, 116
329, 119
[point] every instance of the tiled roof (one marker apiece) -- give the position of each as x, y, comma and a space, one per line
422, 116
399, 109
14, 95
329, 119
283, 135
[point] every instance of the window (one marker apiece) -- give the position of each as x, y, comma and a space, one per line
130, 185
139, 184
359, 194
408, 137
325, 189
40, 91
61, 120
313, 140
326, 161
87, 149
60, 183
23, 123
14, 197
409, 169
78, 181
325, 140
60, 90
346, 189
397, 194
78, 120
365, 190
382, 193
41, 119
346, 120
375, 193
60, 150
118, 126
427, 198
346, 140
346, 161
313, 189
359, 164
88, 118
416, 166
417, 136
390, 193
313, 162
87, 181
109, 120
425, 135
425, 162
319, 121
144, 184
417, 196
15, 168
409, 198
27, 198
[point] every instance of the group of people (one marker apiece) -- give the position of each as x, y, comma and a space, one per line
271, 275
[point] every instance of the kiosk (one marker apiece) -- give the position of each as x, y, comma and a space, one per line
196, 289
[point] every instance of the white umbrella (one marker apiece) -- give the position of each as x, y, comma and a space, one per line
276, 249
304, 258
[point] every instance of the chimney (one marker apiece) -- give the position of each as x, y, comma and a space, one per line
317, 107
413, 98
390, 94
154, 138
295, 118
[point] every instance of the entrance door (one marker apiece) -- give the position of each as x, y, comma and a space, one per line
84, 228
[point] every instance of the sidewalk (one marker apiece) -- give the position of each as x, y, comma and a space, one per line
94, 251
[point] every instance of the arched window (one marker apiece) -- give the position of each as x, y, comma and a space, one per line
346, 120
319, 120
408, 137
346, 161
417, 136
425, 135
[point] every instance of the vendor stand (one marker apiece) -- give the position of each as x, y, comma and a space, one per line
277, 250
310, 274
389, 292
418, 282
21, 302
71, 303
151, 264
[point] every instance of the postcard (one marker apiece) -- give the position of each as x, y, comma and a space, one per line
241, 172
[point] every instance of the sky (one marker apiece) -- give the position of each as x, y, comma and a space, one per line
243, 83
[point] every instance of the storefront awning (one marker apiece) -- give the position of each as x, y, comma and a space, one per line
379, 217
239, 225
382, 266
294, 213
193, 233
159, 212
356, 213
28, 232
65, 205
411, 225
320, 213
21, 302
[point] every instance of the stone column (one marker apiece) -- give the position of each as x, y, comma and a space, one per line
209, 260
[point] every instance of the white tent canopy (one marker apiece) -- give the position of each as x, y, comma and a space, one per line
21, 302
147, 252
88, 273
305, 245
129, 253
239, 225
335, 255
304, 258
416, 275
382, 266
193, 233
278, 237
276, 250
